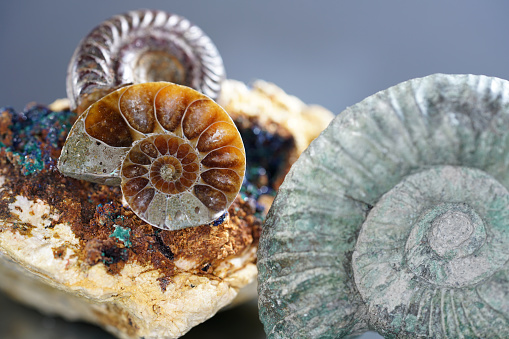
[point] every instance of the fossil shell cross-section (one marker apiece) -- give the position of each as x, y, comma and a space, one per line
177, 155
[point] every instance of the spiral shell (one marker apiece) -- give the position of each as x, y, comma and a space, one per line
396, 219
177, 155
143, 46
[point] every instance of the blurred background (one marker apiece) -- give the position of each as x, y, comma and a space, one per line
331, 53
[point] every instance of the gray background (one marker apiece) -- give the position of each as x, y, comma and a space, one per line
333, 53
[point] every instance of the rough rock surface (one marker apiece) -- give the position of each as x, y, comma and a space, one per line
72, 248
395, 219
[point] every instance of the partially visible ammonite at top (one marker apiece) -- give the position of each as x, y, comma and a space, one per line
143, 46
177, 155
396, 219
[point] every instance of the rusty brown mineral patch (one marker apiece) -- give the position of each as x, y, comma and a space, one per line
5, 132
95, 211
207, 245
59, 252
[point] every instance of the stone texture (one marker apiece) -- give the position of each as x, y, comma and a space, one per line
394, 219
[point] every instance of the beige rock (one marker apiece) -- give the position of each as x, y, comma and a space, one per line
273, 108
130, 304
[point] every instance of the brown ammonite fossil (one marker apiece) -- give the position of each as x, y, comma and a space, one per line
177, 155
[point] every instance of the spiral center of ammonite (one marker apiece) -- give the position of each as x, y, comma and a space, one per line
169, 173
166, 169
450, 231
446, 227
159, 66
167, 162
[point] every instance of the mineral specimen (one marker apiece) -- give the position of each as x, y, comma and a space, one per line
72, 248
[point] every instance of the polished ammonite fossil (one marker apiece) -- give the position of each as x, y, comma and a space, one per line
178, 154
395, 219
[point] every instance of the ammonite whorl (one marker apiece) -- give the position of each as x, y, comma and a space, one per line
177, 155
396, 219
143, 46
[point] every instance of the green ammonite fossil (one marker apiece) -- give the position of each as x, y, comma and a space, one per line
396, 219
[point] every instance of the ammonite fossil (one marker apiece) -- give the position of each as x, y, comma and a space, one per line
143, 46
177, 155
396, 219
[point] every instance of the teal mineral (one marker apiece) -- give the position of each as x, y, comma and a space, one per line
396, 219
122, 234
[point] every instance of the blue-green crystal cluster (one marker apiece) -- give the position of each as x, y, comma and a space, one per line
123, 234
266, 157
31, 138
